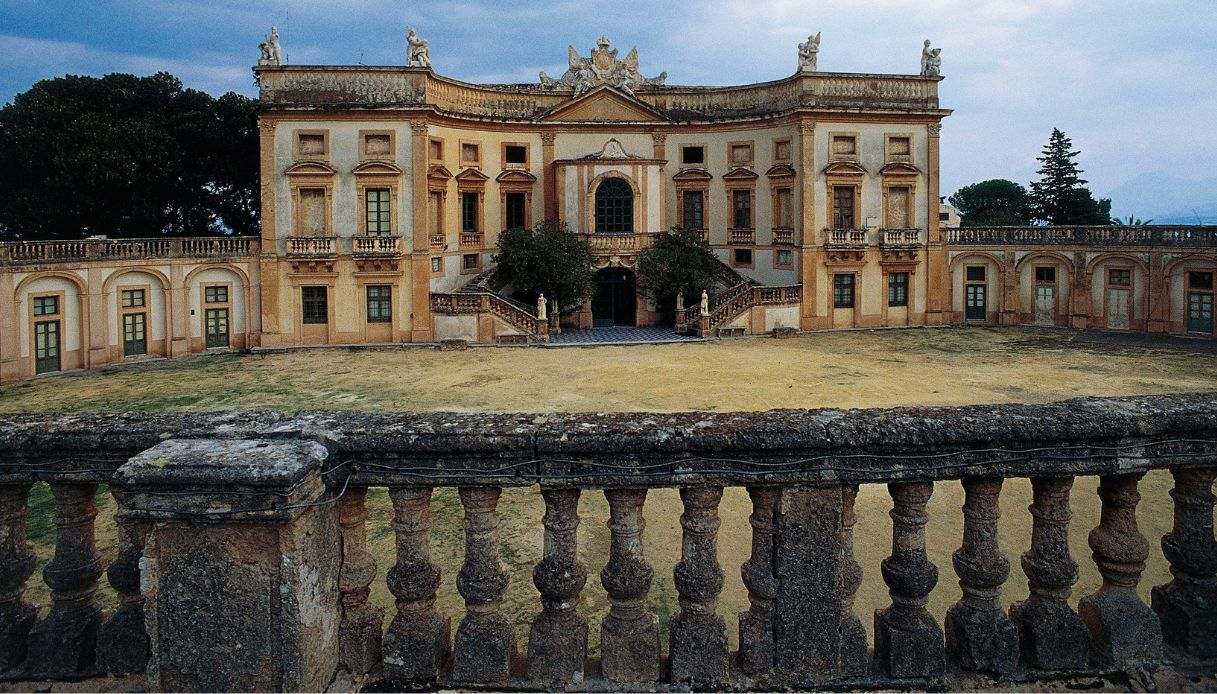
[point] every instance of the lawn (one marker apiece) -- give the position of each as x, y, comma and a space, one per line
856, 369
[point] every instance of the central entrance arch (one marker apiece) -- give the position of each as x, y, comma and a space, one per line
615, 300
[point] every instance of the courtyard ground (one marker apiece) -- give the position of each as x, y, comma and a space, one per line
855, 369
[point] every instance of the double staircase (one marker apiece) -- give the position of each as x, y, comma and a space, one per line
742, 293
477, 296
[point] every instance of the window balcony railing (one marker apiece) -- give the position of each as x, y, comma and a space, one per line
845, 238
311, 247
471, 239
783, 236
376, 246
606, 243
901, 238
742, 236
439, 240
127, 249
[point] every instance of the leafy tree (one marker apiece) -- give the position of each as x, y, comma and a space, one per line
678, 262
122, 155
546, 259
995, 202
1060, 195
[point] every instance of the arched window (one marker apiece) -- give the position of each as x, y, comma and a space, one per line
614, 207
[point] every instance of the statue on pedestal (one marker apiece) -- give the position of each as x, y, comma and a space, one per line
931, 60
271, 54
809, 50
418, 54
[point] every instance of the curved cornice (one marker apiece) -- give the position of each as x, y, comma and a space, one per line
845, 168
692, 174
377, 168
899, 168
310, 168
781, 171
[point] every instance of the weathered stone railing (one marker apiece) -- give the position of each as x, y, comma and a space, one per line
311, 247
1151, 235
471, 239
472, 302
901, 238
783, 236
243, 560
845, 238
127, 249
741, 236
612, 243
734, 300
376, 246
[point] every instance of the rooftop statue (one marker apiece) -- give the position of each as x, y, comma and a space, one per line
601, 67
418, 54
931, 60
808, 51
271, 54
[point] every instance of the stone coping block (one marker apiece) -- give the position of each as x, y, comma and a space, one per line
223, 480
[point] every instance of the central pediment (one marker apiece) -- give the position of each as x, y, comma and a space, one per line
604, 104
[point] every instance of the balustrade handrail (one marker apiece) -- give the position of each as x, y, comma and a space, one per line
515, 313
128, 248
1098, 235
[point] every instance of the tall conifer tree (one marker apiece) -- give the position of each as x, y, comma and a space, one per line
1060, 196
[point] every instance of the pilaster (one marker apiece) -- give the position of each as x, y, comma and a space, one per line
421, 329
809, 256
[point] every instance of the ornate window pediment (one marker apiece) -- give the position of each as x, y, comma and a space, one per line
604, 104
899, 168
472, 176
740, 173
377, 168
438, 172
310, 168
780, 171
692, 175
845, 168
516, 176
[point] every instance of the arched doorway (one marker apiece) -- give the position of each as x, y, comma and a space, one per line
615, 299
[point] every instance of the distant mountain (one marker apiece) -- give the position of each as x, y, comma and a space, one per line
1166, 199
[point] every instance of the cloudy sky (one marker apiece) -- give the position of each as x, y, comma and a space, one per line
1131, 81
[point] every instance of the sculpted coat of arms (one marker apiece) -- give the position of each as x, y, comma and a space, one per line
601, 67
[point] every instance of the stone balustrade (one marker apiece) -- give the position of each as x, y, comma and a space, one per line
744, 237
311, 247
845, 238
98, 249
901, 238
617, 243
243, 560
1100, 236
376, 246
471, 239
783, 236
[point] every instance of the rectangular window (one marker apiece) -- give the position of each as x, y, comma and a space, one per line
782, 212
693, 213
1200, 280
437, 150
693, 154
314, 305
377, 145
741, 153
898, 289
975, 273
471, 153
741, 209
312, 212
843, 207
470, 261
435, 210
215, 295
843, 291
944, 216
46, 305
135, 337
132, 298
469, 211
1119, 277
1047, 275
515, 154
437, 264
844, 146
216, 323
898, 147
380, 303
742, 257
311, 144
376, 202
516, 204
781, 150
783, 259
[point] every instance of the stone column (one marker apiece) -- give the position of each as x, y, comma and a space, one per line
17, 563
815, 634
908, 642
241, 588
1051, 635
698, 650
980, 637
557, 643
1187, 605
629, 635
360, 630
1123, 630
122, 641
416, 648
756, 625
63, 644
485, 640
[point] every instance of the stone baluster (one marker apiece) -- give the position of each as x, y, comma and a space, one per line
1051, 635
698, 651
416, 647
1123, 629
485, 640
980, 637
1187, 606
17, 562
123, 645
852, 661
756, 625
360, 631
629, 635
63, 644
908, 642
557, 642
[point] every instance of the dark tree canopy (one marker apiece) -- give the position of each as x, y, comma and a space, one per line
678, 262
1060, 196
996, 202
546, 259
127, 156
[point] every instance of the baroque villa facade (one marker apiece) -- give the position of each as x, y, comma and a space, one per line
384, 190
